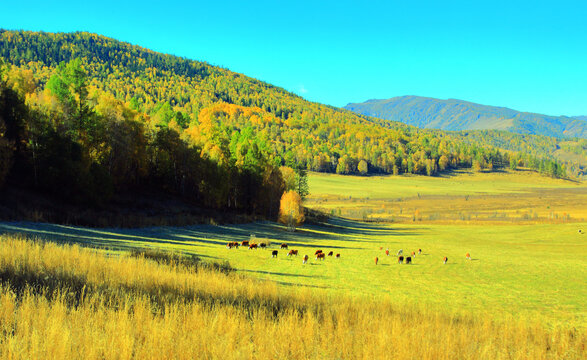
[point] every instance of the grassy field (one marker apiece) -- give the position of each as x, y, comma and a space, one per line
519, 196
525, 269
538, 270
66, 302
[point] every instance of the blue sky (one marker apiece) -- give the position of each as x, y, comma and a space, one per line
526, 55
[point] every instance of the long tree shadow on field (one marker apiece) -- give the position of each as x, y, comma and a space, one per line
187, 238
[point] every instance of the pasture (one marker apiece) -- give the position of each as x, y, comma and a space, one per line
67, 302
534, 271
461, 196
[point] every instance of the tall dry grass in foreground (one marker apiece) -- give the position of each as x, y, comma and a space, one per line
59, 302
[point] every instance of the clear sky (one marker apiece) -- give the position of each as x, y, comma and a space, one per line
526, 55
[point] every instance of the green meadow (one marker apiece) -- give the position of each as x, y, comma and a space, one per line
530, 270
534, 270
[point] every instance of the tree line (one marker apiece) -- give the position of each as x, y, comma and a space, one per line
83, 145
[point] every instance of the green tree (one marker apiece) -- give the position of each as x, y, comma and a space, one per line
303, 188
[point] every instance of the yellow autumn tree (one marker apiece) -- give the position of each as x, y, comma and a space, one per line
291, 211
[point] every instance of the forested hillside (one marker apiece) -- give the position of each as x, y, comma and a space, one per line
457, 115
86, 117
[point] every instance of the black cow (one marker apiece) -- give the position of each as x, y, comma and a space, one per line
400, 260
408, 260
274, 253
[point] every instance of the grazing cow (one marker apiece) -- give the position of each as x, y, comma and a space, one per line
468, 256
245, 243
331, 253
320, 256
232, 244
262, 245
419, 251
400, 252
387, 252
252, 246
580, 231
400, 260
444, 260
305, 259
317, 252
284, 246
338, 256
274, 253
408, 260
376, 260
413, 253
292, 252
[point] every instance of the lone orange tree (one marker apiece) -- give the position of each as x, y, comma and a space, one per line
291, 211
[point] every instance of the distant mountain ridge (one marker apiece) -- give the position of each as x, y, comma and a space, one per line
453, 114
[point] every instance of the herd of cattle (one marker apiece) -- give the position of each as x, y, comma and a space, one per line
408, 259
321, 255
253, 246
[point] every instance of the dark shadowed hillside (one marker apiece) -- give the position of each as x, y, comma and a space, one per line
457, 115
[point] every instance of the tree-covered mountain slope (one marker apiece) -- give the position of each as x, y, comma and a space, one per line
457, 115
229, 119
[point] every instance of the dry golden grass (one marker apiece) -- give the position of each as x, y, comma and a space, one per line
67, 302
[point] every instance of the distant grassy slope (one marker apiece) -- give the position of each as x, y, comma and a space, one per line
458, 183
455, 114
510, 197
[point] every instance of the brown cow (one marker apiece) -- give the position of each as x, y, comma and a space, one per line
317, 252
468, 256
376, 260
284, 246
387, 252
245, 243
413, 253
232, 244
444, 260
320, 256
330, 253
305, 259
274, 253
338, 256
400, 260
252, 246
292, 252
